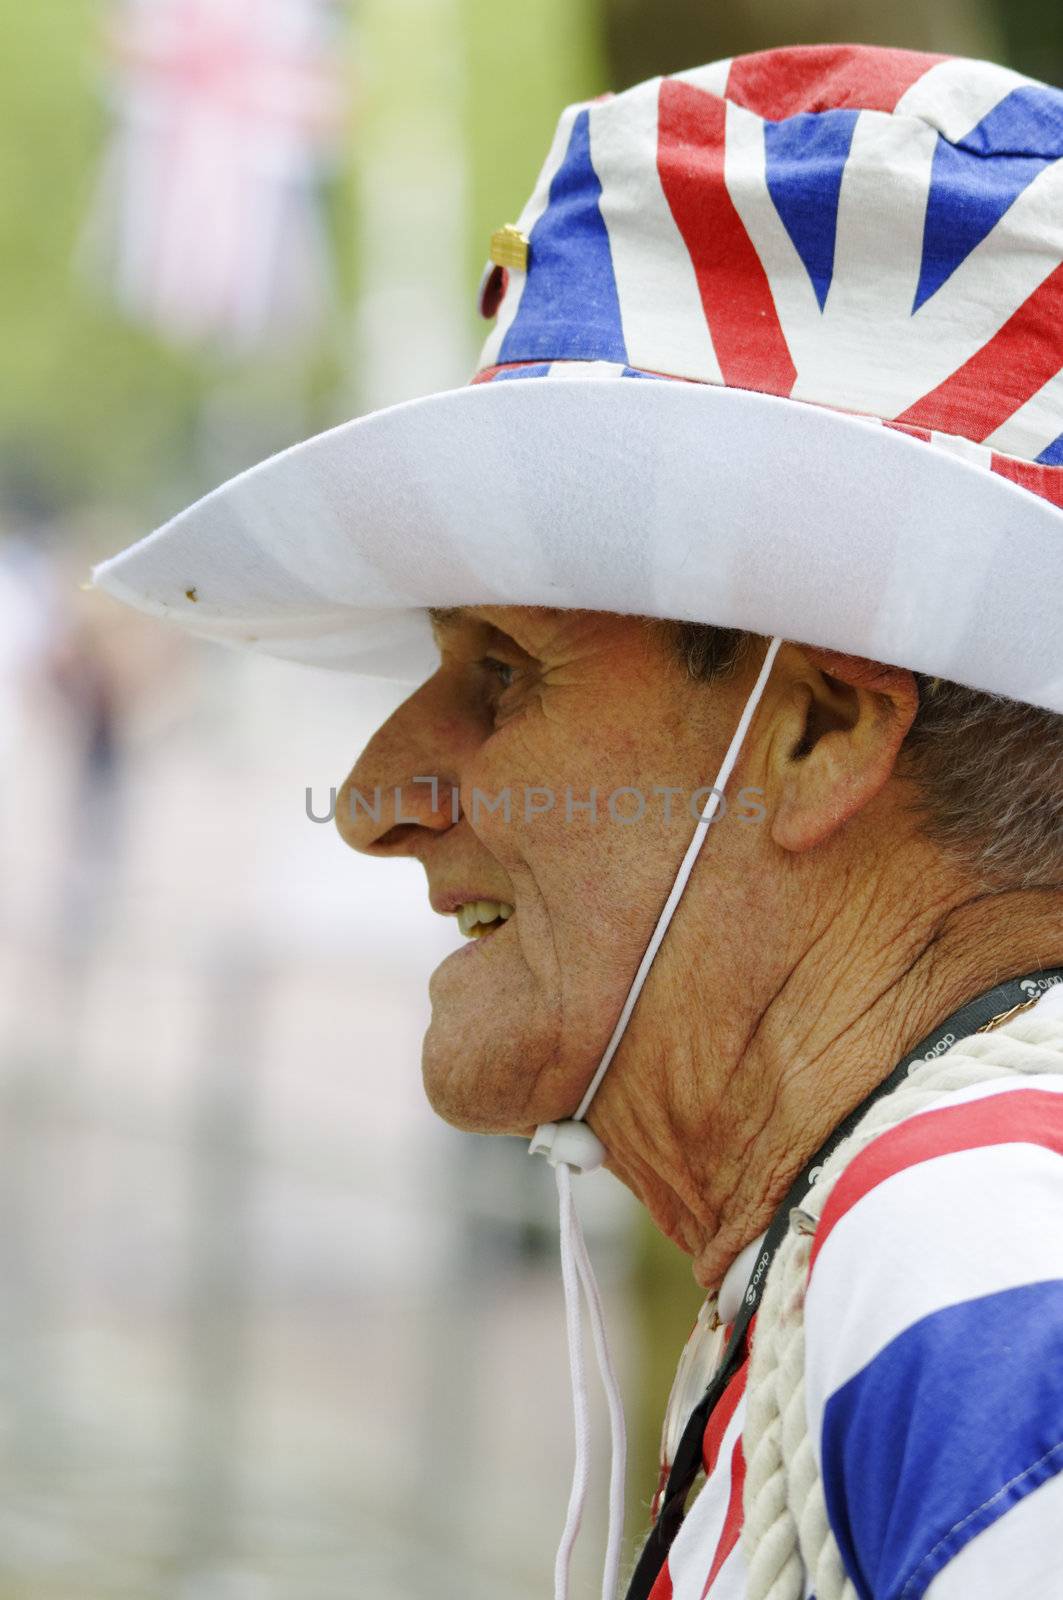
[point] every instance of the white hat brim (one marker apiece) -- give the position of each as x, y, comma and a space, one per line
667, 499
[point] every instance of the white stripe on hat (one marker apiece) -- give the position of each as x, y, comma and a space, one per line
874, 247
878, 254
1000, 272
537, 204
661, 312
745, 176
712, 78
1034, 426
593, 371
954, 96
978, 454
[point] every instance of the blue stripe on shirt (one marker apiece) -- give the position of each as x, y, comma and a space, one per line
955, 1421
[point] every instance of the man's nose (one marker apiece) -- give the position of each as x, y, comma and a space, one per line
399, 791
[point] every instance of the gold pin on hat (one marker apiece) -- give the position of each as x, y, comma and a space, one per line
509, 248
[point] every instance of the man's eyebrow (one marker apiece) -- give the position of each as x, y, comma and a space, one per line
446, 616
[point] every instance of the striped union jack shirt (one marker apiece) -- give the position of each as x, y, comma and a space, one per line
934, 1362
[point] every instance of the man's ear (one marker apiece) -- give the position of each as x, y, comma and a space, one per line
843, 722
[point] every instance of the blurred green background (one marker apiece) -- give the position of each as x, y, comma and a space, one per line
93, 406
128, 1421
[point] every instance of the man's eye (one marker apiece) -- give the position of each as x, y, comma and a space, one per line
501, 670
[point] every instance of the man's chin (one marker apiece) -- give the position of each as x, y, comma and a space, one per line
453, 1071
472, 1089
458, 1098
471, 1058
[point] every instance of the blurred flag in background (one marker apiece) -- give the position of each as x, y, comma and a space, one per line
227, 117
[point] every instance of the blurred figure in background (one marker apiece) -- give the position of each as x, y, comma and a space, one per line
82, 671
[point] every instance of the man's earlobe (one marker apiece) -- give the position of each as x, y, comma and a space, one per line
848, 718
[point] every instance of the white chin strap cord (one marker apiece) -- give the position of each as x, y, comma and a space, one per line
573, 1147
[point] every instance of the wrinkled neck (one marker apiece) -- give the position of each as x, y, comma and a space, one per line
713, 1121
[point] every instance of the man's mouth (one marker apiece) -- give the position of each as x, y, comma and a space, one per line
477, 918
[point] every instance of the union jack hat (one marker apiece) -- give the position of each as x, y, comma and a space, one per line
849, 262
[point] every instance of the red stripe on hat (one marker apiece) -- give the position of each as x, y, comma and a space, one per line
735, 294
732, 1522
485, 374
782, 83
1017, 1116
916, 433
1033, 475
1000, 377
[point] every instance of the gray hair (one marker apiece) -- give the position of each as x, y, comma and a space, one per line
988, 770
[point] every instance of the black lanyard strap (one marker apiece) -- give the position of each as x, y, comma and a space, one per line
967, 1020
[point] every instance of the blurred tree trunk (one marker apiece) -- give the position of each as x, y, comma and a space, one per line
666, 35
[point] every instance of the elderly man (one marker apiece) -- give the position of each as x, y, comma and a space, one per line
810, 1012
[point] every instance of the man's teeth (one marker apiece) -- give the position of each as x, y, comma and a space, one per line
475, 917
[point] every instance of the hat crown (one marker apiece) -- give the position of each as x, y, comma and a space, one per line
879, 231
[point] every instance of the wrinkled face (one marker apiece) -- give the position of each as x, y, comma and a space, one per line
534, 723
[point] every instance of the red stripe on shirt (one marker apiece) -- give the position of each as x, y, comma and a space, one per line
1000, 377
716, 1426
662, 1585
735, 293
1018, 1116
824, 78
732, 1522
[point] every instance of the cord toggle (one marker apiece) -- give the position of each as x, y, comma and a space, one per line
570, 1144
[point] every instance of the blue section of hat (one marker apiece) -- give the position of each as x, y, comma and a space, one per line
975, 179
805, 156
1052, 454
569, 308
542, 369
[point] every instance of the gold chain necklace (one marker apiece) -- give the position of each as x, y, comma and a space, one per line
1006, 1016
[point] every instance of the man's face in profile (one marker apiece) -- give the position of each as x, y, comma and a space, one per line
560, 730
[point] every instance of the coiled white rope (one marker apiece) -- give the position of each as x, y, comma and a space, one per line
786, 1534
